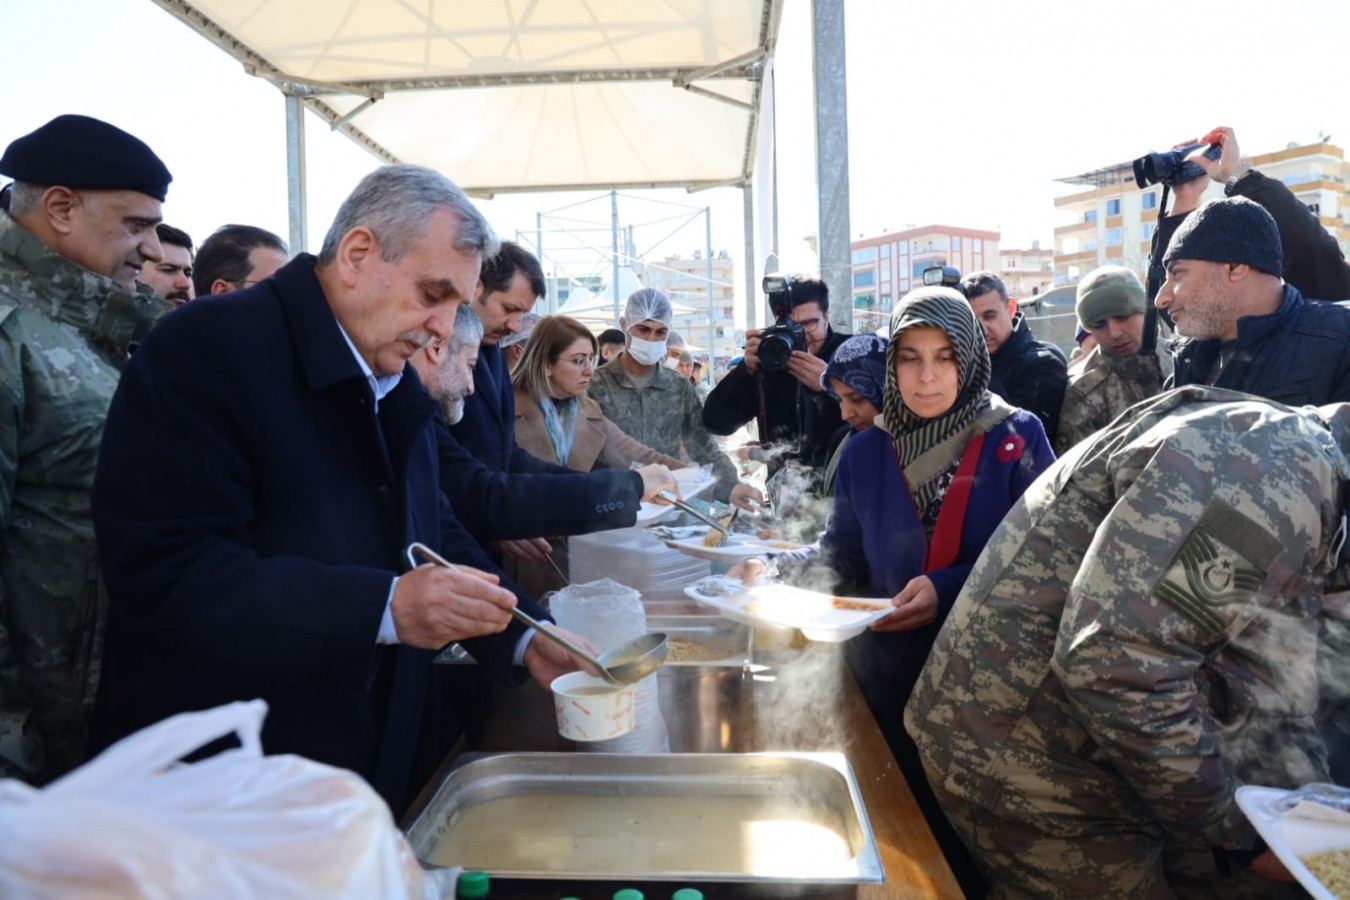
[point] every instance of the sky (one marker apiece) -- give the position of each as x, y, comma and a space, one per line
961, 113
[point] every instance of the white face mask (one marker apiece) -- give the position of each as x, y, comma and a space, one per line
646, 353
671, 363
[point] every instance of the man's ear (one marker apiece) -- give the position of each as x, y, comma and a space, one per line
357, 250
1012, 307
59, 205
1238, 271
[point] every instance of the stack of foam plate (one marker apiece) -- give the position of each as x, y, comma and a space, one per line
633, 557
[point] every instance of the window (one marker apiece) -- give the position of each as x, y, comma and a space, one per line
865, 279
978, 245
1010, 263
1090, 216
956, 243
1114, 237
885, 251
904, 247
1090, 244
1151, 200
1149, 228
1113, 207
865, 255
885, 273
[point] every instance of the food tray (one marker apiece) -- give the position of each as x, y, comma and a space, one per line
772, 818
1292, 836
785, 606
734, 547
706, 640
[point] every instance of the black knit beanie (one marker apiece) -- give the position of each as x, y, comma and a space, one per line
1231, 230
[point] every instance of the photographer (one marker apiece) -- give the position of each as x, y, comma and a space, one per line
796, 417
1313, 261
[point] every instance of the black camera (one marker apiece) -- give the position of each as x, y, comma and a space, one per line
777, 342
1172, 168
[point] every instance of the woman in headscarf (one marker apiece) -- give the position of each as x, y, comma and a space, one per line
917, 496
558, 423
855, 377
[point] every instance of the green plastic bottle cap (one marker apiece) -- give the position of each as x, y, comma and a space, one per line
687, 894
628, 894
472, 885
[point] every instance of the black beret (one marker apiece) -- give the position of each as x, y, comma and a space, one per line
81, 152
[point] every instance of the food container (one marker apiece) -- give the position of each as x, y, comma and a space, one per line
786, 819
1295, 834
591, 709
704, 685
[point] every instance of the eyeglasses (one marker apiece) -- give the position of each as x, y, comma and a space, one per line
584, 362
809, 324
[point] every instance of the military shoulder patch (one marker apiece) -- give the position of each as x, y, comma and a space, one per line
1223, 560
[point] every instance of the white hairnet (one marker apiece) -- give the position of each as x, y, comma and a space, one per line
648, 303
675, 341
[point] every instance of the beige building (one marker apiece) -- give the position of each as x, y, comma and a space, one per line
684, 279
1027, 273
888, 266
1113, 220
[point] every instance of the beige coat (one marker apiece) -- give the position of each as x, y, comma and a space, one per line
598, 443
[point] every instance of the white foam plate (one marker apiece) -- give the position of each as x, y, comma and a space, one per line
785, 606
1292, 836
733, 548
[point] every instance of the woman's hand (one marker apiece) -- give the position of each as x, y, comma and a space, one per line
747, 497
915, 606
749, 570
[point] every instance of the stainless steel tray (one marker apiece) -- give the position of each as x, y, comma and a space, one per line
767, 818
704, 640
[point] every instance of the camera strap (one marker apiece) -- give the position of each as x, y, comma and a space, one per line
1150, 342
763, 419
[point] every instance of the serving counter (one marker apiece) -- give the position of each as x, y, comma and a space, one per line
788, 699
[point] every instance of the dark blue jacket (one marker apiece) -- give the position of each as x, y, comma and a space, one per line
495, 505
1031, 375
488, 428
1297, 355
252, 510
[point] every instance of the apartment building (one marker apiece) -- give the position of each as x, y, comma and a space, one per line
684, 279
1113, 221
887, 266
1027, 273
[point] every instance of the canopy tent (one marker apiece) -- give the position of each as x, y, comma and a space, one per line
590, 306
519, 95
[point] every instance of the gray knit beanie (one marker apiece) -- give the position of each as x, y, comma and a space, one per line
1231, 230
1109, 291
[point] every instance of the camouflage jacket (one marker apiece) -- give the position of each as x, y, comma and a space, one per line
665, 416
64, 334
1141, 634
1101, 389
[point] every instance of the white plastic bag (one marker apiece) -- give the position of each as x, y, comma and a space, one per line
132, 823
607, 614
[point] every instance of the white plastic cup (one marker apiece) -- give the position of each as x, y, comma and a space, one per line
591, 709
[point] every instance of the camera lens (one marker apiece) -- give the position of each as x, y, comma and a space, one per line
774, 352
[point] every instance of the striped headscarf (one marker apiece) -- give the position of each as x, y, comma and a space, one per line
913, 435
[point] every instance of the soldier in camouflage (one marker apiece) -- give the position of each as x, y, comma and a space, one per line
81, 222
657, 406
1114, 375
1141, 636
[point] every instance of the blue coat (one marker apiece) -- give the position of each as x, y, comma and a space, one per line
1297, 355
252, 510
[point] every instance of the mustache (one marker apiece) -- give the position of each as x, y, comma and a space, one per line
417, 337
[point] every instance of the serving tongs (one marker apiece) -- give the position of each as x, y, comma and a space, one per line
669, 497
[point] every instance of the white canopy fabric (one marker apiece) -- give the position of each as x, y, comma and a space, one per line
520, 95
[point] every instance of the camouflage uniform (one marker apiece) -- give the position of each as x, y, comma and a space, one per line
1138, 638
666, 416
1103, 388
64, 334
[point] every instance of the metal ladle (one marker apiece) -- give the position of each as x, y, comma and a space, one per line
628, 663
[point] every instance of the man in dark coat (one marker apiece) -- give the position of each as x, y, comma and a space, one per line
1241, 326
267, 460
1028, 373
796, 416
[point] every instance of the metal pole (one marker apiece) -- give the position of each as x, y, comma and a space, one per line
748, 220
712, 313
836, 258
297, 203
551, 301
614, 251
